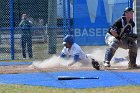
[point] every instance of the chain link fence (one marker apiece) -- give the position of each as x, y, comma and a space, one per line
50, 23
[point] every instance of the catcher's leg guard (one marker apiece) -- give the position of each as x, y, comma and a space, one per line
95, 64
132, 55
108, 56
113, 46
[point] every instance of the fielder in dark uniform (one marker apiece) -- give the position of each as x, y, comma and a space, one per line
26, 36
121, 35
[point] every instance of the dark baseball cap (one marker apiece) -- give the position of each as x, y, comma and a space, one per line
128, 9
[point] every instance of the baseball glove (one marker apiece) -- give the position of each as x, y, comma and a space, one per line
132, 37
127, 28
95, 64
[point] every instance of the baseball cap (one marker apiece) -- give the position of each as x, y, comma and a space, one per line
128, 9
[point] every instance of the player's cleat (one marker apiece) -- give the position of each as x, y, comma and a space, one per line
132, 66
107, 64
95, 64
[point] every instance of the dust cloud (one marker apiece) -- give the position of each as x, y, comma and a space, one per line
50, 63
122, 54
53, 62
97, 53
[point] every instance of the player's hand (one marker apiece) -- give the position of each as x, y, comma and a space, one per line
95, 64
70, 64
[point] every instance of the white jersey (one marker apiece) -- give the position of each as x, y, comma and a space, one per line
76, 50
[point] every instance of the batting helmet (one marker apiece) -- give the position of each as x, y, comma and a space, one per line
68, 39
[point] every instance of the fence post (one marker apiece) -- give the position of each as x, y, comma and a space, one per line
130, 3
69, 26
52, 26
64, 17
12, 28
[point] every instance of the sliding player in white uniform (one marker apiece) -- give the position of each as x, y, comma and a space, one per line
74, 51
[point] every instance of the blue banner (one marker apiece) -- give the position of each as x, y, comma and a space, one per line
92, 19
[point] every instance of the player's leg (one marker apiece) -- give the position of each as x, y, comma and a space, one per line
132, 54
23, 44
113, 44
29, 46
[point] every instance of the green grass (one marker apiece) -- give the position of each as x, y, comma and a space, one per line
39, 89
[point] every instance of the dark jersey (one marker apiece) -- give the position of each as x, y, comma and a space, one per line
25, 26
120, 23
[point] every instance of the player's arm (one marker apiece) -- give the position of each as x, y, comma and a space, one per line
75, 60
63, 53
20, 23
114, 29
114, 32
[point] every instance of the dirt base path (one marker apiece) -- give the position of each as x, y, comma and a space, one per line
29, 68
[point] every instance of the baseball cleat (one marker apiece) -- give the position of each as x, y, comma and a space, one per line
107, 64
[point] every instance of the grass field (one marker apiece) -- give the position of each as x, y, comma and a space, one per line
39, 89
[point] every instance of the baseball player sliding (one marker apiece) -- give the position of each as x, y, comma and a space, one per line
74, 51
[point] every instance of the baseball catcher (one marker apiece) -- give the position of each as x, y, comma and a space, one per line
121, 35
73, 51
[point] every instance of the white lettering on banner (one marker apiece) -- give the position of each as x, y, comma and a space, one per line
77, 32
104, 30
99, 32
85, 32
90, 32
